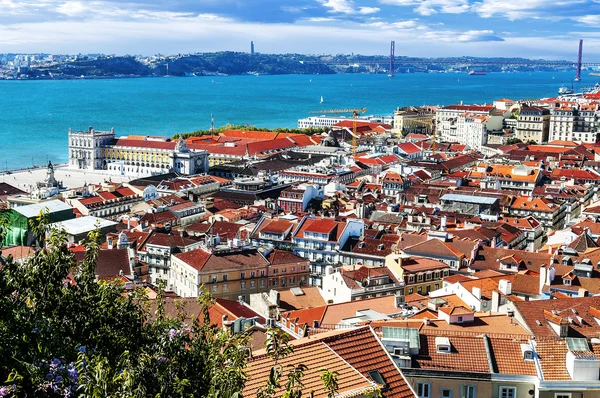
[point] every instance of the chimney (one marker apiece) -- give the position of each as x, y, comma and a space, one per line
582, 292
550, 277
505, 287
274, 296
426, 321
495, 301
476, 292
443, 224
543, 277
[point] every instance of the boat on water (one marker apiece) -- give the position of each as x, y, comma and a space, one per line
477, 73
321, 100
564, 90
594, 73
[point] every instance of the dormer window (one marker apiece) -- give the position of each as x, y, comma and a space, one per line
527, 351
567, 281
442, 345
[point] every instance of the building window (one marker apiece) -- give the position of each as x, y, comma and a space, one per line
424, 390
508, 392
446, 393
225, 287
225, 278
467, 391
214, 279
562, 395
242, 275
410, 290
262, 283
242, 285
252, 284
215, 288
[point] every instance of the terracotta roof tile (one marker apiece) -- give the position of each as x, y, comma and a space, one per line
553, 355
315, 355
508, 357
361, 349
467, 355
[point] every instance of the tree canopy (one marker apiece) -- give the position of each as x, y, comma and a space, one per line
91, 339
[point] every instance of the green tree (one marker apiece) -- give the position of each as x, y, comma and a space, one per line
511, 141
330, 382
89, 339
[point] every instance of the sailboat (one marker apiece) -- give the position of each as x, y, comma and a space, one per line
321, 100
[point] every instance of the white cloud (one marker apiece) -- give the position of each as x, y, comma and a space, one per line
399, 2
347, 7
400, 25
321, 19
73, 8
592, 20
338, 6
525, 9
368, 10
430, 7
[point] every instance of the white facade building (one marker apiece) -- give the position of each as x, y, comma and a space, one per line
472, 130
446, 119
135, 156
579, 123
85, 148
328, 121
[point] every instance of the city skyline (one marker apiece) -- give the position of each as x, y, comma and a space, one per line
534, 29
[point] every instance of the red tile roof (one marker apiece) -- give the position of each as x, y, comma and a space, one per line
125, 142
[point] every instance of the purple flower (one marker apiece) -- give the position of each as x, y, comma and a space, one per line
161, 360
82, 349
55, 362
59, 379
172, 333
72, 373
4, 391
35, 330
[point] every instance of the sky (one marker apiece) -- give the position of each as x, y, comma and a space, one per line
548, 29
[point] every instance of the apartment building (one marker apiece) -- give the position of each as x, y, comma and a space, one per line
320, 241
446, 119
235, 273
533, 124
577, 122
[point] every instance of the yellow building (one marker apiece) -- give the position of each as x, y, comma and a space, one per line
237, 272
420, 275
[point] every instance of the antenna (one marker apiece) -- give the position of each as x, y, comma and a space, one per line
212, 125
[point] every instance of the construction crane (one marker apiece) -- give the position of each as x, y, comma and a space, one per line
355, 113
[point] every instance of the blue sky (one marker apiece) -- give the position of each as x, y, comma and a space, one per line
526, 28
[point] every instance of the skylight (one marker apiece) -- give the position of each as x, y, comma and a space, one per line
577, 344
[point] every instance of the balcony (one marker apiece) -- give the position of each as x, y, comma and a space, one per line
377, 288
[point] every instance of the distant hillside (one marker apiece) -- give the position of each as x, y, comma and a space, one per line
237, 63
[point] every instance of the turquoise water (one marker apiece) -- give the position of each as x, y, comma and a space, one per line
35, 115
